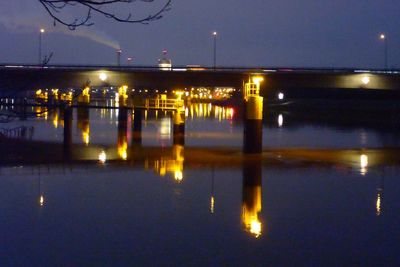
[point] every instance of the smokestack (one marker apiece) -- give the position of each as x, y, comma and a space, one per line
119, 52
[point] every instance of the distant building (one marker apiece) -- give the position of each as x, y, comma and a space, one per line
164, 63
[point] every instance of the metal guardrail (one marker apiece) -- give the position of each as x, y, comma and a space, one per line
259, 69
157, 103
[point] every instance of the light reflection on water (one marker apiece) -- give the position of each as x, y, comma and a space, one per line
211, 125
154, 202
123, 215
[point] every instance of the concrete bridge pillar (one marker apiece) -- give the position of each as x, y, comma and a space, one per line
137, 126
253, 106
252, 138
179, 127
252, 198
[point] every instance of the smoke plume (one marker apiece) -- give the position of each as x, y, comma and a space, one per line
29, 16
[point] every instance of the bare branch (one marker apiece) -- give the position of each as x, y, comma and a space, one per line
55, 7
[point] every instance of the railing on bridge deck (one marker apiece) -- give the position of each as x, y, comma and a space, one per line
163, 103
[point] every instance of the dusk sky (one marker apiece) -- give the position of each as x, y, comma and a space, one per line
286, 33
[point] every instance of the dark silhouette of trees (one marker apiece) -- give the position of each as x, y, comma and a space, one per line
103, 7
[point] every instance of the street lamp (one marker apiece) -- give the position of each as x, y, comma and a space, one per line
40, 45
215, 48
384, 39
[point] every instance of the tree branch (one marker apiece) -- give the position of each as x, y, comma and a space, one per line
55, 7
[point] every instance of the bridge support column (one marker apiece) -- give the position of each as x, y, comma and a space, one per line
251, 201
67, 142
179, 127
137, 126
252, 138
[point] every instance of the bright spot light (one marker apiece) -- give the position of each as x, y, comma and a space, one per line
212, 204
215, 33
255, 228
258, 79
378, 205
382, 37
365, 80
281, 96
41, 200
363, 164
364, 161
42, 30
178, 175
280, 120
103, 77
102, 157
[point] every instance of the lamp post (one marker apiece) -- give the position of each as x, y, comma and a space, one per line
384, 39
41, 31
215, 34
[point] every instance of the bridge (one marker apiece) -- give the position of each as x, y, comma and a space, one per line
294, 81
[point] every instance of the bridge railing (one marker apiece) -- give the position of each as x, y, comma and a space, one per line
158, 103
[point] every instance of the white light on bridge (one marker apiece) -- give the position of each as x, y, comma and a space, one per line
365, 80
103, 76
102, 157
363, 164
280, 120
281, 96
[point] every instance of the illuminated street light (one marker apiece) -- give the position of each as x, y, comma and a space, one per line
215, 34
102, 157
40, 45
383, 37
103, 76
365, 80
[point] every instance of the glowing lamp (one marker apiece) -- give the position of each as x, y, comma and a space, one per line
103, 76
258, 79
365, 80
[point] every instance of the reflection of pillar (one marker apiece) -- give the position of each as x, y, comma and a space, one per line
24, 109
379, 196
137, 127
179, 127
251, 205
83, 123
178, 158
68, 114
123, 133
252, 139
